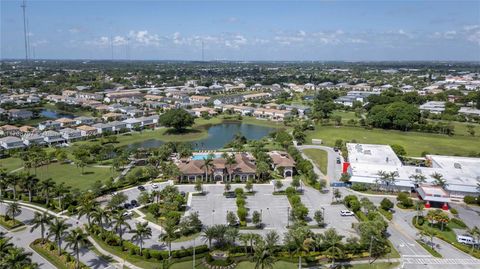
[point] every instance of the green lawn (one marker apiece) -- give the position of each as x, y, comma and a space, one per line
320, 157
72, 175
414, 143
11, 163
461, 127
346, 115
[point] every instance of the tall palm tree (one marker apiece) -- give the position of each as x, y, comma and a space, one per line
207, 165
29, 183
418, 179
168, 234
230, 161
120, 222
271, 240
60, 191
263, 257
5, 245
209, 233
41, 220
13, 181
58, 229
17, 258
46, 186
87, 207
13, 209
76, 240
141, 232
333, 241
101, 216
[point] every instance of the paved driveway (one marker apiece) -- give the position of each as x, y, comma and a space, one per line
274, 208
213, 207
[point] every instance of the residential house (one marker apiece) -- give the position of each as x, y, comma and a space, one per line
9, 130
49, 124
19, 114
435, 107
28, 130
87, 131
65, 122
71, 134
114, 96
272, 114
149, 122
117, 126
257, 96
11, 142
33, 139
199, 99
243, 110
103, 128
113, 116
198, 111
52, 137
132, 123
84, 120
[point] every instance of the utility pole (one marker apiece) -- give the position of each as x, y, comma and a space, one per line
24, 7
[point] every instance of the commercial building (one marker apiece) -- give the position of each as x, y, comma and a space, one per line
366, 161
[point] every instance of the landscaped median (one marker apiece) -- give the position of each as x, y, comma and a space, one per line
9, 224
49, 251
446, 234
149, 258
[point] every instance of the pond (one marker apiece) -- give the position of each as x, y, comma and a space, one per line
218, 136
52, 114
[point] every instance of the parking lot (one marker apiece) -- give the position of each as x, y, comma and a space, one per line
274, 208
213, 206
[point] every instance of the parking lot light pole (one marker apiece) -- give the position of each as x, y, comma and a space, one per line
213, 216
288, 216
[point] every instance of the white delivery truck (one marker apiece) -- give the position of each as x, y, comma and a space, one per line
466, 239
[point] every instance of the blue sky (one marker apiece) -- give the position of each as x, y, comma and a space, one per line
244, 30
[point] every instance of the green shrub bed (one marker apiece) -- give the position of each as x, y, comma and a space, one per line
9, 224
49, 251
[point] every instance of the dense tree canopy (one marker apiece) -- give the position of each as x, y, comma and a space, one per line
179, 119
397, 115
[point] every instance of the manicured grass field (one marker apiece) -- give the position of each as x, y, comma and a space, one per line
11, 163
320, 157
72, 175
414, 143
461, 127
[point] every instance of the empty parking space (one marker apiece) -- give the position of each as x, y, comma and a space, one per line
274, 208
213, 207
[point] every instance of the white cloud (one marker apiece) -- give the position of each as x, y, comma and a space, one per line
145, 38
472, 33
102, 42
119, 41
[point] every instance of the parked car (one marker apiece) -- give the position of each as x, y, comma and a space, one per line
466, 239
127, 214
141, 188
346, 213
182, 193
154, 185
230, 195
335, 149
127, 206
134, 203
339, 161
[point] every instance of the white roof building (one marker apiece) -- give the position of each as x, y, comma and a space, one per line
462, 174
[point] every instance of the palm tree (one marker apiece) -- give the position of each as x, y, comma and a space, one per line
439, 180
60, 191
46, 187
168, 235
244, 238
333, 240
120, 222
263, 257
29, 183
76, 240
41, 220
5, 245
207, 165
271, 240
87, 207
418, 179
230, 160
16, 258
13, 181
141, 232
58, 229
101, 216
475, 233
209, 233
277, 185
13, 209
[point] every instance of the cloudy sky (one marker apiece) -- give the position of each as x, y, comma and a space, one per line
244, 30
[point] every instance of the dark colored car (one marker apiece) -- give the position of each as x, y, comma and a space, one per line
182, 193
335, 149
141, 188
230, 195
134, 203
339, 161
127, 205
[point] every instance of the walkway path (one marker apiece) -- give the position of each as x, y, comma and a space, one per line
334, 170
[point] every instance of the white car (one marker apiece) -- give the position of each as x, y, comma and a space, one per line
127, 214
154, 185
346, 213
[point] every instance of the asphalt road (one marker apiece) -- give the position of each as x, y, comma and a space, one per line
334, 170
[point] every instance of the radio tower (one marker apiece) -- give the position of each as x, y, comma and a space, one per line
24, 7
203, 52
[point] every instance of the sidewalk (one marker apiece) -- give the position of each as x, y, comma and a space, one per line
116, 258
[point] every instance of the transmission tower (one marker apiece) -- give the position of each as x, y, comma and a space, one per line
24, 7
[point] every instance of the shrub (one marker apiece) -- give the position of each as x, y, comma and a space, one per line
359, 187
239, 192
242, 213
469, 199
386, 204
454, 211
459, 222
